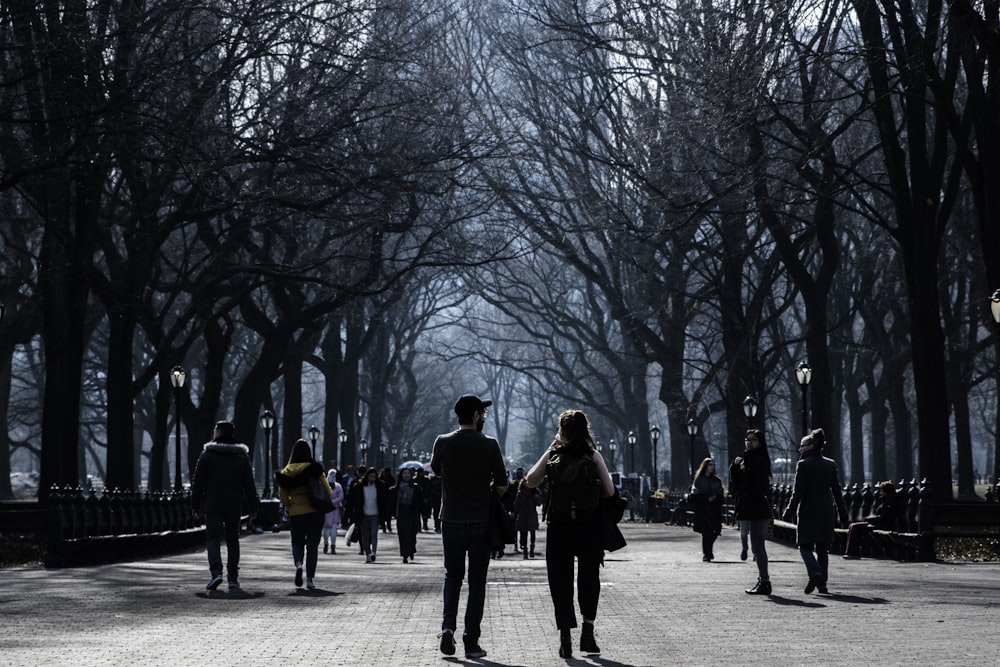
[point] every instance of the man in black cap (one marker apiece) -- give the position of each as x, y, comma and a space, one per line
471, 467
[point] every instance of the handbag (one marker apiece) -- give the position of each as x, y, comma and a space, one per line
349, 535
318, 496
612, 509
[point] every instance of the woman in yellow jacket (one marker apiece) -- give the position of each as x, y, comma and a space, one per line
305, 520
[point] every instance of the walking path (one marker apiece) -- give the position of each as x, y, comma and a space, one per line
660, 605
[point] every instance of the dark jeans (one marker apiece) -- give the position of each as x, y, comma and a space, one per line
217, 528
580, 540
758, 535
817, 565
460, 540
306, 532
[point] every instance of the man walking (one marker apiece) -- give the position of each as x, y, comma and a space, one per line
471, 468
222, 484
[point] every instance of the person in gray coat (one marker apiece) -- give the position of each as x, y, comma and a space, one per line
221, 486
816, 495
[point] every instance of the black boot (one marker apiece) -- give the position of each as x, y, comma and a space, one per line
760, 588
587, 642
565, 644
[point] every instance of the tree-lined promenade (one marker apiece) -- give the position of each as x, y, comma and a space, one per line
347, 214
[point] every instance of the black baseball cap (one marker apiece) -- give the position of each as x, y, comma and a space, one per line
470, 403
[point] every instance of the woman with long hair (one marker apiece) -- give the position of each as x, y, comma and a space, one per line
526, 516
750, 476
406, 499
706, 491
368, 503
306, 521
578, 479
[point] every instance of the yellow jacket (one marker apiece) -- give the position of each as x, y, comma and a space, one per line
293, 486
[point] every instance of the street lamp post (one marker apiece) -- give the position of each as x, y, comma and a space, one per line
654, 433
177, 378
395, 450
267, 423
995, 311
613, 446
343, 444
750, 409
693, 428
364, 452
631, 447
804, 374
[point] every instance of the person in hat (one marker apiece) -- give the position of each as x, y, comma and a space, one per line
470, 465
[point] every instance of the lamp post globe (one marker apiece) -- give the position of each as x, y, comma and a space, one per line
177, 378
750, 409
803, 375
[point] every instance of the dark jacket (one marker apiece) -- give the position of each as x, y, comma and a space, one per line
525, 513
416, 505
817, 498
751, 483
470, 464
707, 514
355, 504
885, 513
223, 480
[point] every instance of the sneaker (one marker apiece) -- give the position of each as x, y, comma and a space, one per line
310, 585
298, 577
743, 554
474, 651
373, 556
234, 585
447, 642
214, 582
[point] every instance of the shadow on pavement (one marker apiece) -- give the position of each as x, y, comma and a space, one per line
316, 593
855, 599
225, 595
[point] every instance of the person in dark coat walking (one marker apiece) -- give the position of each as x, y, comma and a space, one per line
526, 517
406, 503
817, 494
706, 491
222, 485
750, 476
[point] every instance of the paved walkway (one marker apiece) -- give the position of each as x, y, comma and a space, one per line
660, 605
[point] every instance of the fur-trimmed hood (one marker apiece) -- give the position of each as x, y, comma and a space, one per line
297, 474
226, 448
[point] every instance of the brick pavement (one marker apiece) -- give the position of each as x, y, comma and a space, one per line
660, 605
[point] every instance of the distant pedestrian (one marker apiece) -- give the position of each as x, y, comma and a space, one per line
306, 521
706, 491
526, 503
750, 475
222, 486
406, 499
578, 479
816, 495
368, 503
332, 520
471, 468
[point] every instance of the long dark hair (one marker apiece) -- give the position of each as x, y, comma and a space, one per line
575, 431
703, 467
763, 448
301, 452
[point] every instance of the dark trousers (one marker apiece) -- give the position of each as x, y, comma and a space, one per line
460, 540
707, 541
816, 559
306, 532
218, 527
565, 542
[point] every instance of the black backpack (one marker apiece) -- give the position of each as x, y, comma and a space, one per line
575, 483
